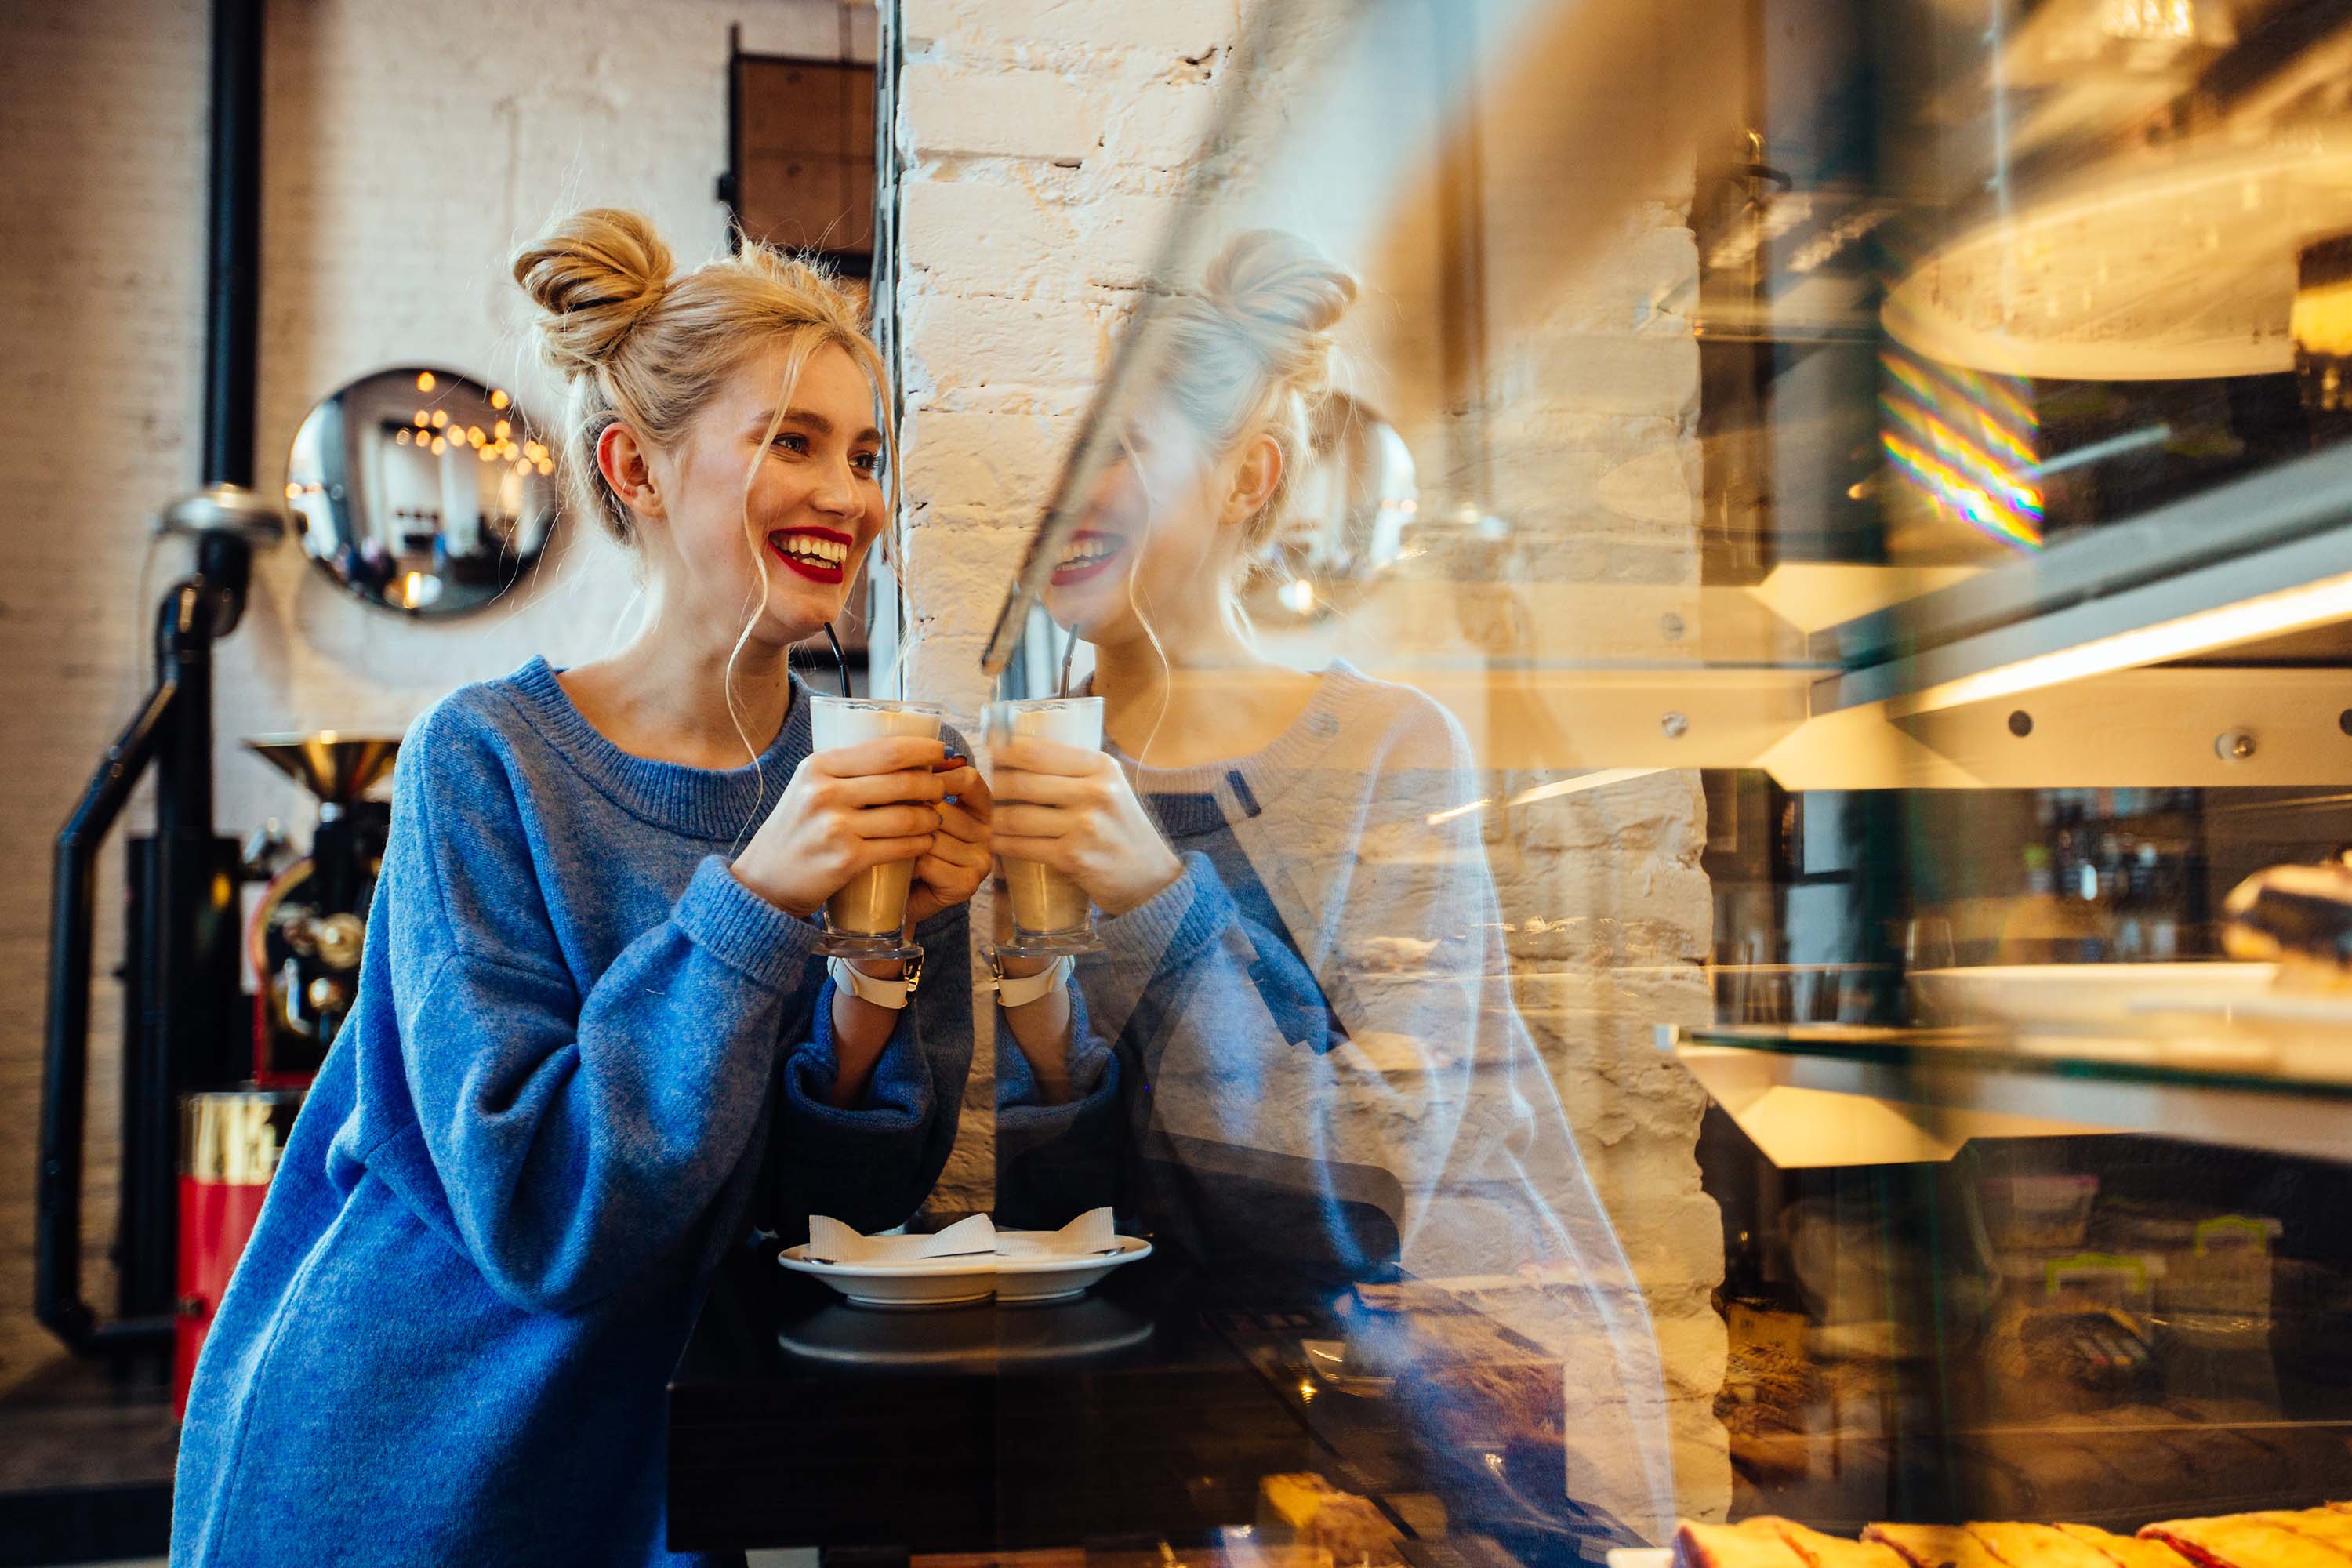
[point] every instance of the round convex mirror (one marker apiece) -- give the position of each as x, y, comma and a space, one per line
1349, 506
421, 491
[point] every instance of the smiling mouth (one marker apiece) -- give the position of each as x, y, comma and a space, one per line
819, 555
1085, 555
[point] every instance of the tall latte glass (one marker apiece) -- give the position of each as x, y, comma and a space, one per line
867, 918
1050, 913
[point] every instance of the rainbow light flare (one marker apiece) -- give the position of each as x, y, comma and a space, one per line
1964, 442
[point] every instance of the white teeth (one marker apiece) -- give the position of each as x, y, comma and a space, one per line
813, 549
1087, 552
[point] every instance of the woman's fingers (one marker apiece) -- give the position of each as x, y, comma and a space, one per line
972, 791
958, 819
889, 755
894, 821
1023, 821
1033, 753
1044, 851
872, 852
1043, 789
889, 789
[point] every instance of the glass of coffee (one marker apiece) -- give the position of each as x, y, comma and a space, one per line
1050, 913
867, 918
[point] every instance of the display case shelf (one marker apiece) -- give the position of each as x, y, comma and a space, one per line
1831, 1094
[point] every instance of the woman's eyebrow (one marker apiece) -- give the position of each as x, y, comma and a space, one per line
809, 419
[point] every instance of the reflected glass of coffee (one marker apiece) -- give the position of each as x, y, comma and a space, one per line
1050, 913
867, 918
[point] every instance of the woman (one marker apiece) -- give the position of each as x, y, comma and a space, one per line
1297, 1049
589, 1009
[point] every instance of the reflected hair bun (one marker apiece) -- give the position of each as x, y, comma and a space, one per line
1286, 297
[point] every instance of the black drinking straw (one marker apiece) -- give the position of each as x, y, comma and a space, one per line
840, 661
1069, 652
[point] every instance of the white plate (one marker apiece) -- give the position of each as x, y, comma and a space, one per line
1023, 1281
1640, 1557
925, 1282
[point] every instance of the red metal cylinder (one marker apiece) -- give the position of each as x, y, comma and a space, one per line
229, 1143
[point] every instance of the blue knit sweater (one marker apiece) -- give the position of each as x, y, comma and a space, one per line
582, 1060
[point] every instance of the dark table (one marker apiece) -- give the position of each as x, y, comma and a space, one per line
1146, 1412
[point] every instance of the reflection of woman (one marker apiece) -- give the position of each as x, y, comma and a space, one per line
1298, 1045
588, 1008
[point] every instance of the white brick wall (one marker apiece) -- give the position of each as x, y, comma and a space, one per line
408, 149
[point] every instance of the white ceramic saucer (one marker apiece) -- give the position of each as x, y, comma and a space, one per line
918, 1283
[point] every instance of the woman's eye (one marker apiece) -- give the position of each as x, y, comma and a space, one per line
867, 462
793, 441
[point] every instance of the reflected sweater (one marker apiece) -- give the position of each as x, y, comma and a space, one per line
582, 1058
1303, 1057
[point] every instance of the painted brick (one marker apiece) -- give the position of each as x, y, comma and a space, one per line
1018, 114
1178, 28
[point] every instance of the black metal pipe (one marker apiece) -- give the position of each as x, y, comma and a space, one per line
233, 271
57, 1242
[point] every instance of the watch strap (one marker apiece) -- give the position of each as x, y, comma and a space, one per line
892, 994
1019, 991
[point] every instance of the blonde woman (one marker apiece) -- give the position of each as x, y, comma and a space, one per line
589, 1005
1298, 1052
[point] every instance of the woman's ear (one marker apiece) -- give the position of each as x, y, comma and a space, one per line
624, 461
1256, 475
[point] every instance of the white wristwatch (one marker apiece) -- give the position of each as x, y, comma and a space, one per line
1019, 991
892, 993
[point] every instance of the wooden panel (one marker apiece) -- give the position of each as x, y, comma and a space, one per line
807, 159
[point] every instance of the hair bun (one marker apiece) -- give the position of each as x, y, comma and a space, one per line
1288, 293
597, 275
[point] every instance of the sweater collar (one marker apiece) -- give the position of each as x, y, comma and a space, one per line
1208, 796
719, 804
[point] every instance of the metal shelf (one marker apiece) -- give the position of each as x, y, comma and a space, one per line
2277, 530
1828, 1094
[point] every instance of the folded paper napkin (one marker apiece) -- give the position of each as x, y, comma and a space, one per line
830, 1241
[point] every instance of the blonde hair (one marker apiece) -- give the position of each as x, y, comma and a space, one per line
1250, 352
646, 346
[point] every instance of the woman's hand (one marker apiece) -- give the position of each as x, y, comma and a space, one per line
1073, 810
847, 810
951, 870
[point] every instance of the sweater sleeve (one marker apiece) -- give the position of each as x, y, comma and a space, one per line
576, 1138
872, 1167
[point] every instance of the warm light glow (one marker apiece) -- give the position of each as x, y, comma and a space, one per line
545, 466
1600, 779
412, 589
423, 381
500, 399
485, 454
1437, 816
293, 491
402, 438
440, 419
439, 445
501, 429
423, 420
2267, 615
1299, 595
474, 436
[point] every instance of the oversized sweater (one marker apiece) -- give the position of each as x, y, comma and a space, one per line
578, 1045
1304, 1053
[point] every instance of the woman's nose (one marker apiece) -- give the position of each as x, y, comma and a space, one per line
836, 490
